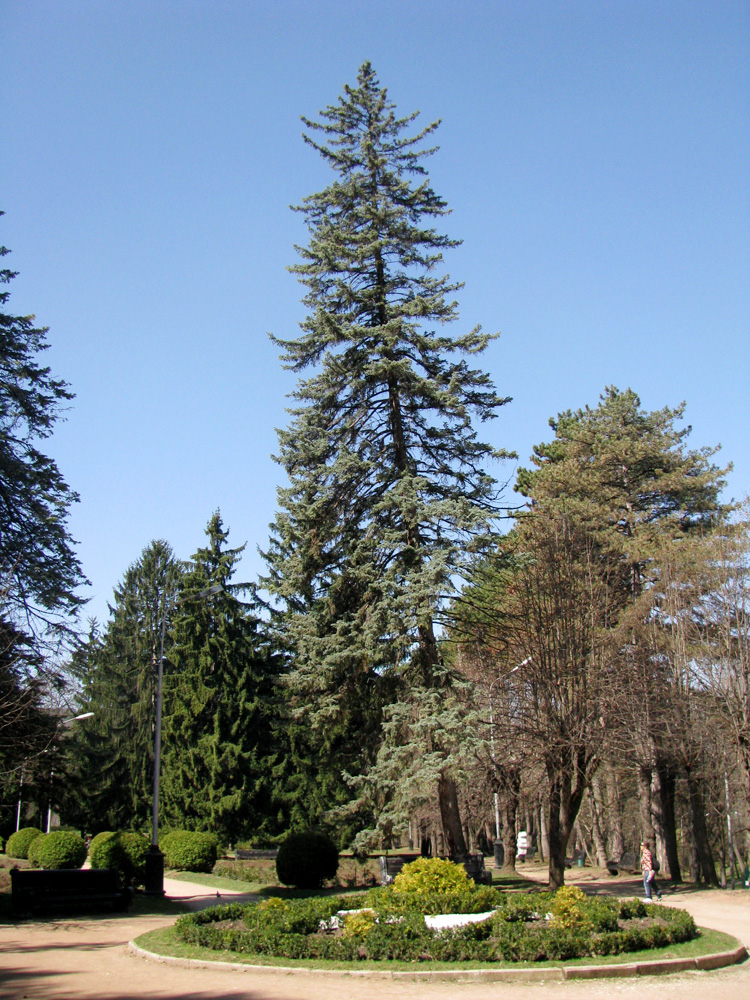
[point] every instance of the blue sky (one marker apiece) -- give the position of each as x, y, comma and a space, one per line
594, 154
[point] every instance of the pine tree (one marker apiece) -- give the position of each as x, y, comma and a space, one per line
39, 570
117, 672
388, 485
219, 704
622, 482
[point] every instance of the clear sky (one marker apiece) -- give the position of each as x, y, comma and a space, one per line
594, 153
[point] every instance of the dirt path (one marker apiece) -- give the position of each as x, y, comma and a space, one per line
88, 959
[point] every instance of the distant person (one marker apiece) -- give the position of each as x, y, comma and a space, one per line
522, 846
649, 873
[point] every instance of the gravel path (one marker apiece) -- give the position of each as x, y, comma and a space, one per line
88, 959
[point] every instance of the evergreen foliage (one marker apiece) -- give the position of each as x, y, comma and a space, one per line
307, 859
190, 851
123, 850
578, 592
627, 475
220, 694
430, 875
20, 841
58, 849
112, 754
388, 481
305, 928
38, 566
39, 570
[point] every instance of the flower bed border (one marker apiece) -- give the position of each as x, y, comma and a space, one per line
657, 967
285, 930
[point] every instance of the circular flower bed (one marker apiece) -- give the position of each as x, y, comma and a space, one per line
386, 924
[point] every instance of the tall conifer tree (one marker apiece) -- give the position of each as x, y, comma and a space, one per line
388, 482
117, 672
39, 570
219, 704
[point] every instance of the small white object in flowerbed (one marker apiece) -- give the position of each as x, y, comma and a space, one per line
466, 923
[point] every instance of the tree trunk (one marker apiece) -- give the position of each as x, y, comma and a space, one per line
554, 831
543, 843
596, 826
644, 803
670, 856
451, 818
614, 815
510, 787
706, 870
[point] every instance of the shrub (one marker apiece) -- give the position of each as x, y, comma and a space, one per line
59, 849
431, 875
359, 925
524, 906
20, 841
472, 898
306, 860
300, 928
263, 871
124, 851
189, 851
567, 907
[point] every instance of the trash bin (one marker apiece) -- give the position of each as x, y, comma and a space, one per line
499, 852
581, 861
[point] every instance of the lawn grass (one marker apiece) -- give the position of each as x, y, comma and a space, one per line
164, 942
215, 881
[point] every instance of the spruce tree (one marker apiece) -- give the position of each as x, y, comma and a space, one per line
218, 753
39, 570
117, 671
388, 481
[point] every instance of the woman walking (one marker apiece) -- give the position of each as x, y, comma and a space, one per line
649, 873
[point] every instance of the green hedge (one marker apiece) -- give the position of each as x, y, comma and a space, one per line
297, 929
188, 851
122, 850
20, 841
59, 849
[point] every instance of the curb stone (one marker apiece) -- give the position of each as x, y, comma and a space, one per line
661, 967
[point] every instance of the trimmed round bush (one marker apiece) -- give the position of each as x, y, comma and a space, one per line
96, 841
59, 849
430, 875
20, 841
306, 860
189, 851
124, 851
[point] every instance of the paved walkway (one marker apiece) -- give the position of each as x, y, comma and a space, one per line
88, 959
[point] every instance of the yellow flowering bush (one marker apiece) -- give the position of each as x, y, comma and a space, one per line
358, 925
566, 907
431, 875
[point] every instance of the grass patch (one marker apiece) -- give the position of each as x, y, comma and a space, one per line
515, 881
164, 942
214, 881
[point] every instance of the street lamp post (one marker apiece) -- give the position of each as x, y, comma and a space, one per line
154, 867
63, 722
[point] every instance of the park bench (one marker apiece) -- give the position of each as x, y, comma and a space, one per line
626, 863
253, 854
474, 865
391, 865
34, 889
